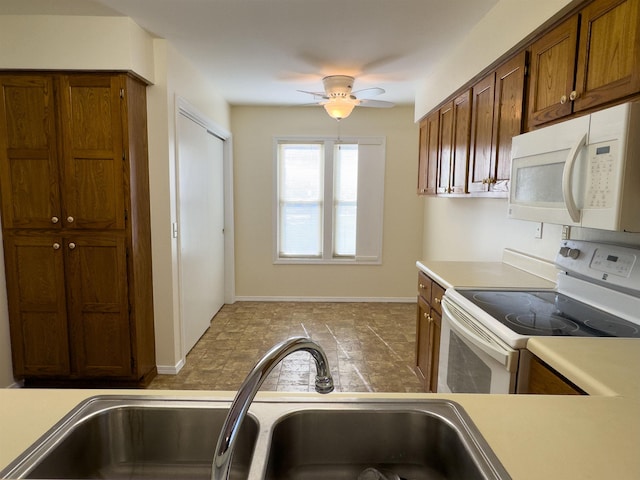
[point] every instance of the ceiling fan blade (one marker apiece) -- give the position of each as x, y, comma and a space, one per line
315, 94
368, 92
376, 103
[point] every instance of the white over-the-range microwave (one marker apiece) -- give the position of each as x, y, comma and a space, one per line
581, 172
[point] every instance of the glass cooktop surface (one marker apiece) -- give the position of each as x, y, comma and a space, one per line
548, 313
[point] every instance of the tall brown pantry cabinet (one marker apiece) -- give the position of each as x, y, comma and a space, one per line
74, 193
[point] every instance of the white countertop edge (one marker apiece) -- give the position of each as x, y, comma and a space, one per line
434, 276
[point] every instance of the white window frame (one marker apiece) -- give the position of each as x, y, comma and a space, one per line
371, 175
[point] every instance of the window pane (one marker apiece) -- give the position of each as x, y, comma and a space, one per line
345, 199
300, 189
300, 229
300, 172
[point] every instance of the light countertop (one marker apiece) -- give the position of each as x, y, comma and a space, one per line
481, 274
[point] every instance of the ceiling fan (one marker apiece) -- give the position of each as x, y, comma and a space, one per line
338, 99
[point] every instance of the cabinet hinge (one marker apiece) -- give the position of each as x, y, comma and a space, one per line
526, 70
124, 157
122, 93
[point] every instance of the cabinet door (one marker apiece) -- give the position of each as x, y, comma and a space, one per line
480, 159
422, 340
434, 350
93, 155
428, 161
461, 136
553, 60
98, 305
609, 52
28, 153
445, 149
508, 119
37, 305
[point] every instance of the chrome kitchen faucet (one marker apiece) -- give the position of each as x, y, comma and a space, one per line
249, 388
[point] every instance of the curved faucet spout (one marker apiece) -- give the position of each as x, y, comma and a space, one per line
249, 388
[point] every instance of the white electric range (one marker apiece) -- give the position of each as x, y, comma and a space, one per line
484, 330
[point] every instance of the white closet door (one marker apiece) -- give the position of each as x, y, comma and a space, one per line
201, 227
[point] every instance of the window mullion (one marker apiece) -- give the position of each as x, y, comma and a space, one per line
327, 235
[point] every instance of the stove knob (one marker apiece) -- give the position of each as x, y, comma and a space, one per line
564, 251
574, 253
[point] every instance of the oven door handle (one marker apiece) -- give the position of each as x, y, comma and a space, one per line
486, 343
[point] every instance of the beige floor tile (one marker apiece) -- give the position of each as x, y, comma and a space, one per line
370, 347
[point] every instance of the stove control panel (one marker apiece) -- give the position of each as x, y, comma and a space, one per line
616, 266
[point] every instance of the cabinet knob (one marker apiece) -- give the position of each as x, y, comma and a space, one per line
429, 318
437, 300
70, 219
72, 245
563, 99
56, 246
55, 219
425, 315
573, 95
421, 286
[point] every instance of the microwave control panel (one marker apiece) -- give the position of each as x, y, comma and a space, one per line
601, 175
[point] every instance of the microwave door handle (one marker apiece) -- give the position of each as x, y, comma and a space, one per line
505, 357
567, 177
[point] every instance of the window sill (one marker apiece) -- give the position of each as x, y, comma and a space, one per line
328, 261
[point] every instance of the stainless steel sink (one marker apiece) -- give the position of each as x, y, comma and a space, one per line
138, 439
153, 437
426, 443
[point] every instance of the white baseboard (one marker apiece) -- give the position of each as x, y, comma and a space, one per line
170, 369
328, 299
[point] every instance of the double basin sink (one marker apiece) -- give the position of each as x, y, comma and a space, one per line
138, 437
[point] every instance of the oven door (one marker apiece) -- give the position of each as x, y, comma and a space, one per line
472, 359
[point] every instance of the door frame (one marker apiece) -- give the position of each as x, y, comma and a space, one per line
184, 108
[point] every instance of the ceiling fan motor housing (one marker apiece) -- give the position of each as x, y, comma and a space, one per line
337, 86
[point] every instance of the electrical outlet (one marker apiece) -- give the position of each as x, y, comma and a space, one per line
566, 232
538, 230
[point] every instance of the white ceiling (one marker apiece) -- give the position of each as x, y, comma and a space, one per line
260, 52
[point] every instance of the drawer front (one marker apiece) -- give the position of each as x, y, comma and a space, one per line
424, 287
437, 292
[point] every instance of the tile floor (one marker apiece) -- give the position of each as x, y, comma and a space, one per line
370, 347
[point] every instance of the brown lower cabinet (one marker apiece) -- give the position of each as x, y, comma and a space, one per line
428, 324
76, 228
539, 378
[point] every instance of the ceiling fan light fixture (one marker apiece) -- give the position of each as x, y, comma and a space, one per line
339, 107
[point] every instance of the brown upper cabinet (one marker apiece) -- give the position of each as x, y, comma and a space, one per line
589, 60
428, 160
85, 189
453, 150
496, 118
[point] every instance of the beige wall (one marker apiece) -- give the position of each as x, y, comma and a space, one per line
256, 276
175, 77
